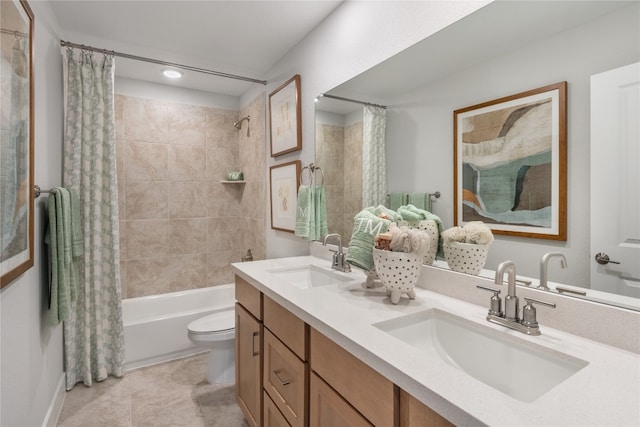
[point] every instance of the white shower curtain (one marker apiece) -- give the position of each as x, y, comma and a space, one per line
374, 158
93, 335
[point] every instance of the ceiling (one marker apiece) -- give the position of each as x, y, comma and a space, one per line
237, 37
492, 31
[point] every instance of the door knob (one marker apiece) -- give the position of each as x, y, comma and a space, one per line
602, 258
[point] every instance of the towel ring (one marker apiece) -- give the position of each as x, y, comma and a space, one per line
312, 170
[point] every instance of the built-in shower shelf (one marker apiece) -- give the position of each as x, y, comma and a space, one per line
232, 182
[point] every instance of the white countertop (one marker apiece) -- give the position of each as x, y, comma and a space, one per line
604, 393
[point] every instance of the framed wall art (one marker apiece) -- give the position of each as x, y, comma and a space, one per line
284, 118
510, 163
284, 191
16, 140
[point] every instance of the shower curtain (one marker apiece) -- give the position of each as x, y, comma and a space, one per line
374, 158
93, 335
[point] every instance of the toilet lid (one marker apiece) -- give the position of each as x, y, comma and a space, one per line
216, 322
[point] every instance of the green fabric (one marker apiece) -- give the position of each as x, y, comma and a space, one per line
396, 200
304, 212
320, 208
94, 332
374, 157
62, 288
77, 248
390, 213
411, 214
366, 226
420, 201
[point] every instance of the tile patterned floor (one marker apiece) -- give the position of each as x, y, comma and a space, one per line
172, 394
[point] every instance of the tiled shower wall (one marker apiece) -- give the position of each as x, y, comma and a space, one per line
180, 227
339, 154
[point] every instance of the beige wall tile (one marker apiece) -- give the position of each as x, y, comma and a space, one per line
187, 163
147, 200
147, 238
187, 272
146, 161
223, 234
149, 276
187, 125
218, 271
145, 120
220, 130
220, 161
188, 236
224, 199
187, 199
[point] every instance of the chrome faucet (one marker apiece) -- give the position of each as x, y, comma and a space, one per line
339, 262
544, 266
511, 300
528, 325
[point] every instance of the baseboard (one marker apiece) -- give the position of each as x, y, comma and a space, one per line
55, 407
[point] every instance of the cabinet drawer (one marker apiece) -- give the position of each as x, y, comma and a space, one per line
365, 389
285, 380
272, 416
414, 413
327, 408
286, 326
249, 297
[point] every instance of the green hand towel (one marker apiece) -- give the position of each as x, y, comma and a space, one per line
77, 241
421, 215
60, 287
366, 226
420, 200
304, 212
396, 200
409, 214
320, 207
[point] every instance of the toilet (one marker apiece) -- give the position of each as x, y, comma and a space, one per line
217, 332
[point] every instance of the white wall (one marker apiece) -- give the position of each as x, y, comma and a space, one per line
420, 128
31, 351
355, 37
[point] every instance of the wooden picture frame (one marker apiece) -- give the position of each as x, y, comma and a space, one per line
285, 118
510, 163
283, 181
16, 145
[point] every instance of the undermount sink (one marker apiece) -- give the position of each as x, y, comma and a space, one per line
307, 276
518, 368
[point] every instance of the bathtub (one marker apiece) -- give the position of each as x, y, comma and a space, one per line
155, 327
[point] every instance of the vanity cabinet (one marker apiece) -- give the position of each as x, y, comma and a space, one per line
290, 375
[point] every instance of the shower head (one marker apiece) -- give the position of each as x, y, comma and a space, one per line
238, 124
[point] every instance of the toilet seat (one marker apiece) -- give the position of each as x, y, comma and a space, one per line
214, 327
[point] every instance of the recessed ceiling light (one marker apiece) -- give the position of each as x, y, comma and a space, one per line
172, 74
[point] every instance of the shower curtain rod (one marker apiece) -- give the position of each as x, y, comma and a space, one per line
340, 98
159, 62
14, 33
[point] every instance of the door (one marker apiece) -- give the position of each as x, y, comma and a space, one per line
615, 180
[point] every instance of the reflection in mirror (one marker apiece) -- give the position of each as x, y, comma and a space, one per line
466, 64
339, 153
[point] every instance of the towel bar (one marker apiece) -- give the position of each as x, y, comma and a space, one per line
37, 191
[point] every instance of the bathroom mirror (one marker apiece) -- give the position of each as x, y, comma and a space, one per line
16, 143
503, 48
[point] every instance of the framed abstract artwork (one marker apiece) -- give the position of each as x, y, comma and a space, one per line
284, 190
16, 143
510, 163
284, 118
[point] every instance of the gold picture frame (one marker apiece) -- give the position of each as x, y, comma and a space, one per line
510, 163
16, 145
283, 181
284, 118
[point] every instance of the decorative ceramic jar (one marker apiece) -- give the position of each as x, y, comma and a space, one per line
398, 271
465, 257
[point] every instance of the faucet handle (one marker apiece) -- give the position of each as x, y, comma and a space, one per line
529, 312
495, 308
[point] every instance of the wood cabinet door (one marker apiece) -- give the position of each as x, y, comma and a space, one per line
249, 366
328, 409
414, 413
272, 415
